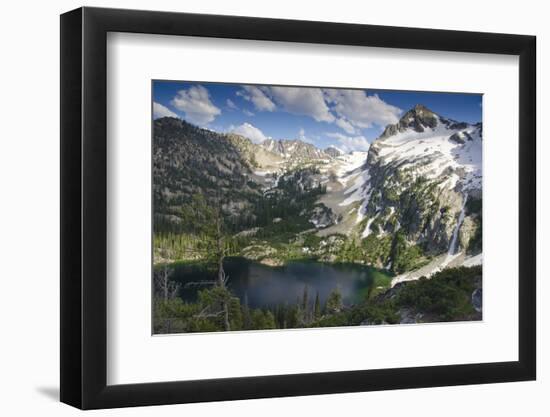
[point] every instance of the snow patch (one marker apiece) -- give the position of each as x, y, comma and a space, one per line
367, 230
474, 260
432, 154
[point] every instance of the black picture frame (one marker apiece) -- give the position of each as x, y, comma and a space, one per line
84, 207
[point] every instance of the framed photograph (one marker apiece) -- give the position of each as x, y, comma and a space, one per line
257, 208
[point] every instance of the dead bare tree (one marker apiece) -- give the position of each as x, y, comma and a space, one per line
221, 253
167, 288
210, 226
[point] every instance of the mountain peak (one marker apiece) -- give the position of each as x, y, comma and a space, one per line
333, 151
420, 108
294, 149
420, 114
418, 118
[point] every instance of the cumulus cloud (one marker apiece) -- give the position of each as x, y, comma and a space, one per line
345, 126
249, 131
350, 110
196, 104
162, 111
302, 136
230, 104
361, 110
350, 143
303, 101
258, 97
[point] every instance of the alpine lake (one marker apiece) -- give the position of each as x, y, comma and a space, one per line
262, 286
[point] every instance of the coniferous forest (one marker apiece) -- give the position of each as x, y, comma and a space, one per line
282, 233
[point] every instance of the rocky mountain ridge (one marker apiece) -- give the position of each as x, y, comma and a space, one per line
295, 149
422, 186
413, 199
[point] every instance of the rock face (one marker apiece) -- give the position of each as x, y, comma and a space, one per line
251, 184
407, 316
420, 173
477, 299
467, 231
295, 149
418, 119
333, 152
416, 195
460, 137
322, 216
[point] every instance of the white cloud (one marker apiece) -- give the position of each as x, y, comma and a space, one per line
351, 110
361, 110
162, 111
302, 136
230, 104
255, 95
196, 104
248, 113
303, 101
345, 126
350, 143
249, 131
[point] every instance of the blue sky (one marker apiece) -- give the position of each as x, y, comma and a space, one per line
347, 118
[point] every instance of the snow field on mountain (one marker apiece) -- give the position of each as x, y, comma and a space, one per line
433, 154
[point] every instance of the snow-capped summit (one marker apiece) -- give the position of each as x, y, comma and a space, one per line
413, 201
425, 144
416, 181
418, 118
334, 151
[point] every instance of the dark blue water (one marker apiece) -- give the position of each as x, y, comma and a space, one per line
266, 286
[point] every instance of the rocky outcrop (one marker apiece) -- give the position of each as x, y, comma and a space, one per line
418, 118
467, 231
477, 299
403, 201
295, 149
259, 251
421, 170
322, 216
460, 137
333, 152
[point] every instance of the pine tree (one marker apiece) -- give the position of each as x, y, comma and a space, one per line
247, 322
305, 305
317, 309
334, 301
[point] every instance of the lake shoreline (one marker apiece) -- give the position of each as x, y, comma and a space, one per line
270, 262
410, 302
267, 285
